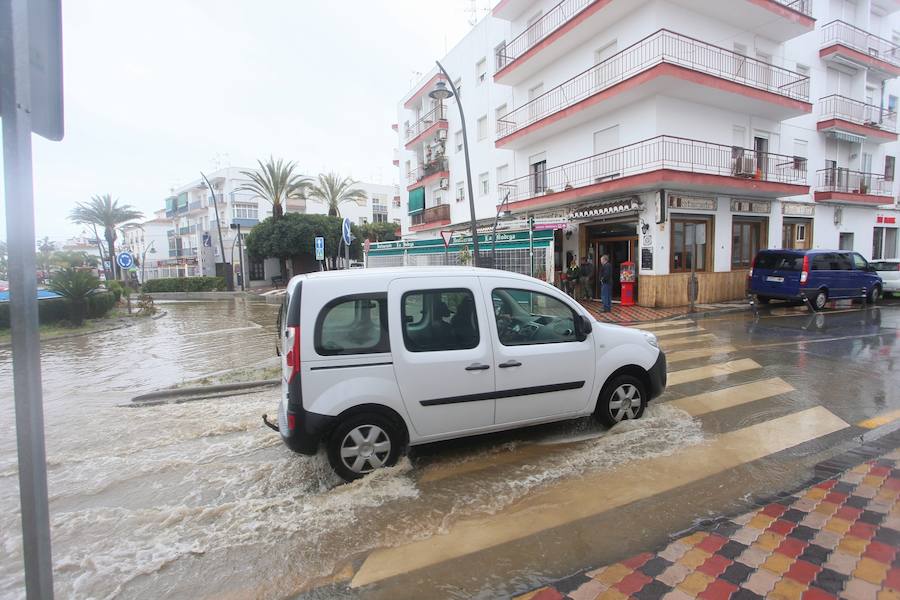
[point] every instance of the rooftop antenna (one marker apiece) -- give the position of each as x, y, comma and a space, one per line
472, 9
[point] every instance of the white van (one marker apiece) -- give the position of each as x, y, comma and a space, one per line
376, 360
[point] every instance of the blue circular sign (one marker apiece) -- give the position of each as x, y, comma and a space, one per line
125, 260
345, 231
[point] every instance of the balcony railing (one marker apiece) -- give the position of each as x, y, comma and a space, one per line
441, 212
801, 6
662, 152
423, 171
848, 109
195, 205
839, 32
438, 113
661, 47
555, 18
838, 179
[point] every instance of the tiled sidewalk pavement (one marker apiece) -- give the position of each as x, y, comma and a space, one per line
630, 314
838, 538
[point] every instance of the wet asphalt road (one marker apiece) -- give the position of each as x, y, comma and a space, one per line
199, 500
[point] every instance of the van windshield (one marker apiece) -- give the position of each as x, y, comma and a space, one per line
778, 261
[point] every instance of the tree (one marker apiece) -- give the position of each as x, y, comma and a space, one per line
380, 232
72, 259
104, 212
334, 190
75, 287
45, 249
276, 182
294, 236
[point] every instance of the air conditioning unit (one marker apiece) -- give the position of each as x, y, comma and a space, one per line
442, 134
445, 183
744, 166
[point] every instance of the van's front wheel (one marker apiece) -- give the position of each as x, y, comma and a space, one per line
875, 294
622, 398
361, 444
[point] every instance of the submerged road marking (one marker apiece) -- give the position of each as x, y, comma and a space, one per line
686, 341
576, 499
717, 370
681, 332
701, 404
880, 420
661, 325
698, 353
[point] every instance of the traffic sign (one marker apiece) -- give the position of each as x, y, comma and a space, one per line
124, 260
446, 236
345, 231
320, 248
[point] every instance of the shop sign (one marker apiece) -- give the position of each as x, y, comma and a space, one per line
881, 219
549, 226
460, 239
692, 202
646, 259
798, 209
761, 207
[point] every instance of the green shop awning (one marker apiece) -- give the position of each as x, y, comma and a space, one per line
507, 240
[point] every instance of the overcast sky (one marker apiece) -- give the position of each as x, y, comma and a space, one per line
157, 91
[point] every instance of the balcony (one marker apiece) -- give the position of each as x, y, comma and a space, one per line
435, 216
843, 185
663, 161
662, 63
845, 44
855, 120
434, 120
573, 22
427, 173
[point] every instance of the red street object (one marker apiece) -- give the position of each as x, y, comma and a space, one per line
627, 277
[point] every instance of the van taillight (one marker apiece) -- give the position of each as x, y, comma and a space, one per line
804, 274
293, 355
752, 265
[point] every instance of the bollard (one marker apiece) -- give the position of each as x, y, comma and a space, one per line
865, 298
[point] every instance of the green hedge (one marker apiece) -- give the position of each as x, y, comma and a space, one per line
185, 284
53, 310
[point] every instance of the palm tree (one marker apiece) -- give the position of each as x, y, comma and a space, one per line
277, 182
75, 287
104, 212
334, 190
45, 249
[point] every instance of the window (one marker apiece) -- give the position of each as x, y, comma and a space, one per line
482, 128
539, 177
686, 233
353, 325
502, 174
746, 240
500, 55
846, 241
460, 191
524, 317
480, 71
500, 112
831, 261
241, 210
889, 163
363, 220
892, 104
884, 243
458, 141
439, 320
800, 233
484, 184
379, 217
800, 154
257, 269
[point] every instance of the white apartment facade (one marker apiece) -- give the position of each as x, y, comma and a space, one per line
191, 246
636, 127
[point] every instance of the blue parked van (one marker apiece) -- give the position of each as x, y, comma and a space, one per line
818, 275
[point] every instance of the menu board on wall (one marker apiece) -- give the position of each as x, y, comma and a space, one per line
646, 259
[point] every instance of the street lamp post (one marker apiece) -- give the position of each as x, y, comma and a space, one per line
151, 250
500, 210
240, 252
229, 276
440, 92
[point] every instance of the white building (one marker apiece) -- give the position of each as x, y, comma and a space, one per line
637, 127
191, 244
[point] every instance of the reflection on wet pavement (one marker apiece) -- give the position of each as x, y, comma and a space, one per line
148, 502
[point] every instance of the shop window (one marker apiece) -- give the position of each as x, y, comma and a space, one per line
746, 241
846, 241
884, 243
690, 244
889, 162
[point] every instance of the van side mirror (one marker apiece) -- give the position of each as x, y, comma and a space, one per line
582, 327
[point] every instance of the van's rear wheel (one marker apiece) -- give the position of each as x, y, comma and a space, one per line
820, 300
622, 398
363, 443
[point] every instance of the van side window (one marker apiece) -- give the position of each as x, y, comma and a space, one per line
353, 325
438, 320
859, 262
525, 317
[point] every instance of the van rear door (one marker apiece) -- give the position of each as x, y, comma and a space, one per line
776, 273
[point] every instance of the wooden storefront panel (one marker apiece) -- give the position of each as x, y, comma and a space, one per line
661, 291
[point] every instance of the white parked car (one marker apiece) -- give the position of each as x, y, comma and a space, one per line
376, 360
889, 271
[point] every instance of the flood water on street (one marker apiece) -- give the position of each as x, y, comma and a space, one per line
199, 500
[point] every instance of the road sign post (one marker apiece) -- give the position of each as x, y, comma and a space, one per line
446, 236
347, 236
30, 101
320, 248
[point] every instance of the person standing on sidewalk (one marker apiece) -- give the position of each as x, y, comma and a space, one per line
586, 273
606, 274
572, 278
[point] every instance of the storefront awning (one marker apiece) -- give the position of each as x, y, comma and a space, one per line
606, 209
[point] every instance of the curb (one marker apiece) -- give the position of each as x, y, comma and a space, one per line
199, 393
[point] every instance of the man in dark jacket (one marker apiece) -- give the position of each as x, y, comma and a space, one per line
606, 274
587, 278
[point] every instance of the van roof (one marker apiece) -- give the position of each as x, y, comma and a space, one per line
392, 272
799, 251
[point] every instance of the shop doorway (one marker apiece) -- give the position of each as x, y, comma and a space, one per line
619, 249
